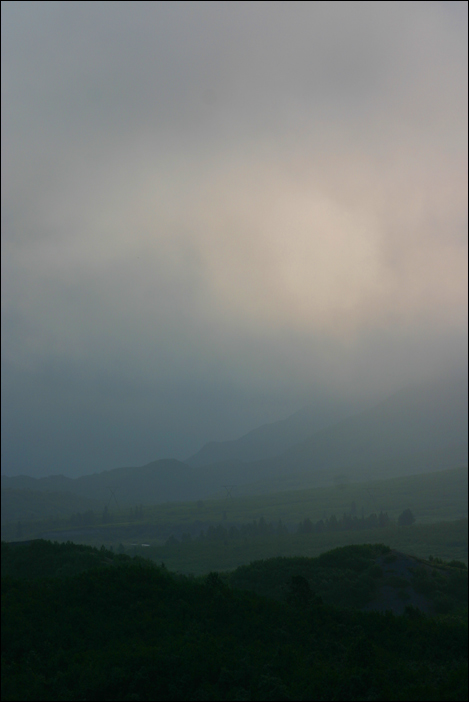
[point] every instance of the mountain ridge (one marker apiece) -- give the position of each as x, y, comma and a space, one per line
420, 428
271, 439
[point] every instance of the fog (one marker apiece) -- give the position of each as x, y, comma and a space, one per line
214, 214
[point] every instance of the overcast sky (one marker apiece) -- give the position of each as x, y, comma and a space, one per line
214, 213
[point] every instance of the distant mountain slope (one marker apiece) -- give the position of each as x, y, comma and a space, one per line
421, 428
269, 440
30, 505
421, 418
164, 480
276, 475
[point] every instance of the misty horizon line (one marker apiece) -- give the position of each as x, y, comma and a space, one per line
362, 407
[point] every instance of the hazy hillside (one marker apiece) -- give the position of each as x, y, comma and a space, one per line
278, 475
420, 429
159, 481
421, 418
271, 439
28, 505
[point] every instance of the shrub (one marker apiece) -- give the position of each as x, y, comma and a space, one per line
457, 564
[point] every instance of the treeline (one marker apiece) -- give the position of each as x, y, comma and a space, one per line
135, 514
131, 524
261, 528
347, 522
87, 518
243, 531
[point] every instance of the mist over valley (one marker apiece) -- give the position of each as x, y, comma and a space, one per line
234, 362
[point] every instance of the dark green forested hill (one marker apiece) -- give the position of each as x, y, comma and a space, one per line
122, 629
370, 577
38, 558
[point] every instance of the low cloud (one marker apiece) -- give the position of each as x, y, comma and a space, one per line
229, 205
